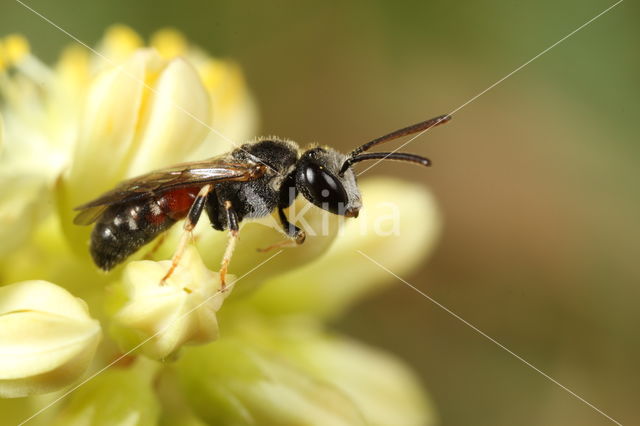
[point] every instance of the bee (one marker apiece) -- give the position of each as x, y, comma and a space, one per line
249, 182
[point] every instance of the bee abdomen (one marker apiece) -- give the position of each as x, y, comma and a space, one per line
123, 229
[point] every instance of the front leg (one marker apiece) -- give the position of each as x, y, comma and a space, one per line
290, 229
296, 234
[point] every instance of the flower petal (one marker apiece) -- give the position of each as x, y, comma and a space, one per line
47, 338
24, 201
399, 225
235, 115
107, 138
109, 126
176, 120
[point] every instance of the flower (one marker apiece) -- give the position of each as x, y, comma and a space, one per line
184, 351
292, 372
166, 317
47, 338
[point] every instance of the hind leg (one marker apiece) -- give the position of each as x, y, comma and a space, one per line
190, 222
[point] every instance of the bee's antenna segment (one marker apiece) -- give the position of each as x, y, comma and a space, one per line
409, 130
398, 156
356, 155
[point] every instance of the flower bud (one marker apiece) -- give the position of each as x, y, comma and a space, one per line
47, 338
290, 371
166, 316
235, 382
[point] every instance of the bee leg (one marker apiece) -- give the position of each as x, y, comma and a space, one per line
279, 244
190, 222
232, 221
296, 234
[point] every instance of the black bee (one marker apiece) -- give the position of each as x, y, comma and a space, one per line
249, 182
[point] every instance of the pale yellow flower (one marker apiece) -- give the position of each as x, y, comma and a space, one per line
166, 317
47, 338
72, 131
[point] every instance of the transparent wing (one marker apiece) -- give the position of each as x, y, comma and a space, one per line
213, 170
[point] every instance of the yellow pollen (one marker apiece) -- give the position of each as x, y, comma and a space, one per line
74, 65
121, 40
169, 43
14, 48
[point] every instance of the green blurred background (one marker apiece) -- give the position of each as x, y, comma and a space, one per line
537, 179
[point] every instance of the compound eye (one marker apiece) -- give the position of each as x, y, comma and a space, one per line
325, 190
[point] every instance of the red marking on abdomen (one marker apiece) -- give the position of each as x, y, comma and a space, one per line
173, 204
177, 203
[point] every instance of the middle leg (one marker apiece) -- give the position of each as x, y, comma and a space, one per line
232, 223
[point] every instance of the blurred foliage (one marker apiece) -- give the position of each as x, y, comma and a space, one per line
537, 178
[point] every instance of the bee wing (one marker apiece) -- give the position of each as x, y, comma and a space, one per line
89, 215
213, 170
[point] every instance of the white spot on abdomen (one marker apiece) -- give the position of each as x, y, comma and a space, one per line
155, 209
107, 233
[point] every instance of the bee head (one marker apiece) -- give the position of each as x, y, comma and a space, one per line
325, 177
319, 180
